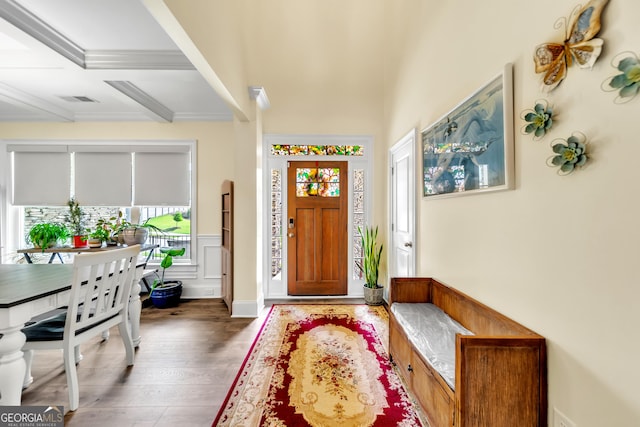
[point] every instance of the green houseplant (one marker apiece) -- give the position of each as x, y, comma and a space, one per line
370, 265
166, 293
134, 234
77, 223
99, 235
114, 226
47, 234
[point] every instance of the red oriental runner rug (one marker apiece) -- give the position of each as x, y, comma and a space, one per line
320, 365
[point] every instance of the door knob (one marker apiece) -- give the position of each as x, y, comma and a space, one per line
290, 234
408, 244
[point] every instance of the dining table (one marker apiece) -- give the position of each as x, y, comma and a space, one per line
28, 290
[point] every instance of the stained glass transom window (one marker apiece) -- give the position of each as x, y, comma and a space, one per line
318, 182
317, 150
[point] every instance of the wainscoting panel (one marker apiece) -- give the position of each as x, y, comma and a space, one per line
207, 281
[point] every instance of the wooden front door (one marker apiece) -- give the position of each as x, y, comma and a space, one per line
317, 228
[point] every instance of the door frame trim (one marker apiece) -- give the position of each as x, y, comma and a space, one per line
410, 138
273, 289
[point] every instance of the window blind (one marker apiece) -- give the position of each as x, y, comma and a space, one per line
102, 174
41, 178
103, 178
162, 179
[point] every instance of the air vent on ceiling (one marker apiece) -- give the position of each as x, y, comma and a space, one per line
78, 99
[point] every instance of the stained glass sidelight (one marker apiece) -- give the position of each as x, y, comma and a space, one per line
358, 219
318, 182
276, 223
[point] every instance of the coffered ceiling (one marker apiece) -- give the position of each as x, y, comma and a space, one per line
96, 60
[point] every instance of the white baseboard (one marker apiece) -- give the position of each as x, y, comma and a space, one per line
246, 308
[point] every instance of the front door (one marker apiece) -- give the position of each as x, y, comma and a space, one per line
317, 228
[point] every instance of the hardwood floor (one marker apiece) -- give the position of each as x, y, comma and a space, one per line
187, 360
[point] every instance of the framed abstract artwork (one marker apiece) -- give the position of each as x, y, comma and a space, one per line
470, 149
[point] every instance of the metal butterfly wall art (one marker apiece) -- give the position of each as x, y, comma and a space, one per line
579, 45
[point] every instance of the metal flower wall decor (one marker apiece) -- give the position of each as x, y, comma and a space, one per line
627, 82
569, 154
539, 120
579, 45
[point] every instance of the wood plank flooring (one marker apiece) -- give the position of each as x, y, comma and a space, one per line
187, 360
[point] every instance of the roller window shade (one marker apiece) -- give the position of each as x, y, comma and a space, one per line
103, 178
162, 179
41, 178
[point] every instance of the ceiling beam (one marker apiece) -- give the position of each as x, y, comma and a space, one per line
159, 111
137, 60
29, 102
170, 24
26, 21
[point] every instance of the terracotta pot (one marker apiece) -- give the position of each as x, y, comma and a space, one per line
79, 241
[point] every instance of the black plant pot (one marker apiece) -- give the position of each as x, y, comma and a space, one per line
168, 295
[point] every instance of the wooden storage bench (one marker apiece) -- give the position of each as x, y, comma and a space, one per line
500, 370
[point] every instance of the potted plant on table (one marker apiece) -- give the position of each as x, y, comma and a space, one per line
370, 264
47, 234
96, 237
137, 234
114, 227
166, 293
77, 224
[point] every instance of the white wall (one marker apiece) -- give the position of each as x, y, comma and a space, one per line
558, 254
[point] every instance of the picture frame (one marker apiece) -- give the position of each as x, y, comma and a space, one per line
469, 150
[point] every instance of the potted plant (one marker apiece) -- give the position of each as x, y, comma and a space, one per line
77, 223
370, 264
114, 227
47, 234
99, 235
167, 293
136, 234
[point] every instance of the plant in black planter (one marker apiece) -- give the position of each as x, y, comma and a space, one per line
47, 234
167, 293
370, 264
77, 223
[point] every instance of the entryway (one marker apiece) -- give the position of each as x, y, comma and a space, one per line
327, 202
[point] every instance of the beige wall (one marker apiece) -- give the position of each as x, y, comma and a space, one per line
558, 254
214, 28
215, 142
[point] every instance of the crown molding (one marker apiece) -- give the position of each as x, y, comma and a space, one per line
259, 94
202, 117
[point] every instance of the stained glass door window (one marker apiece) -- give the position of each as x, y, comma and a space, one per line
318, 182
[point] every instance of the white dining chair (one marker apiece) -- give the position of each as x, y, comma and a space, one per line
99, 300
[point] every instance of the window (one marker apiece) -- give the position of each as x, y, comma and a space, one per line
152, 181
318, 182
